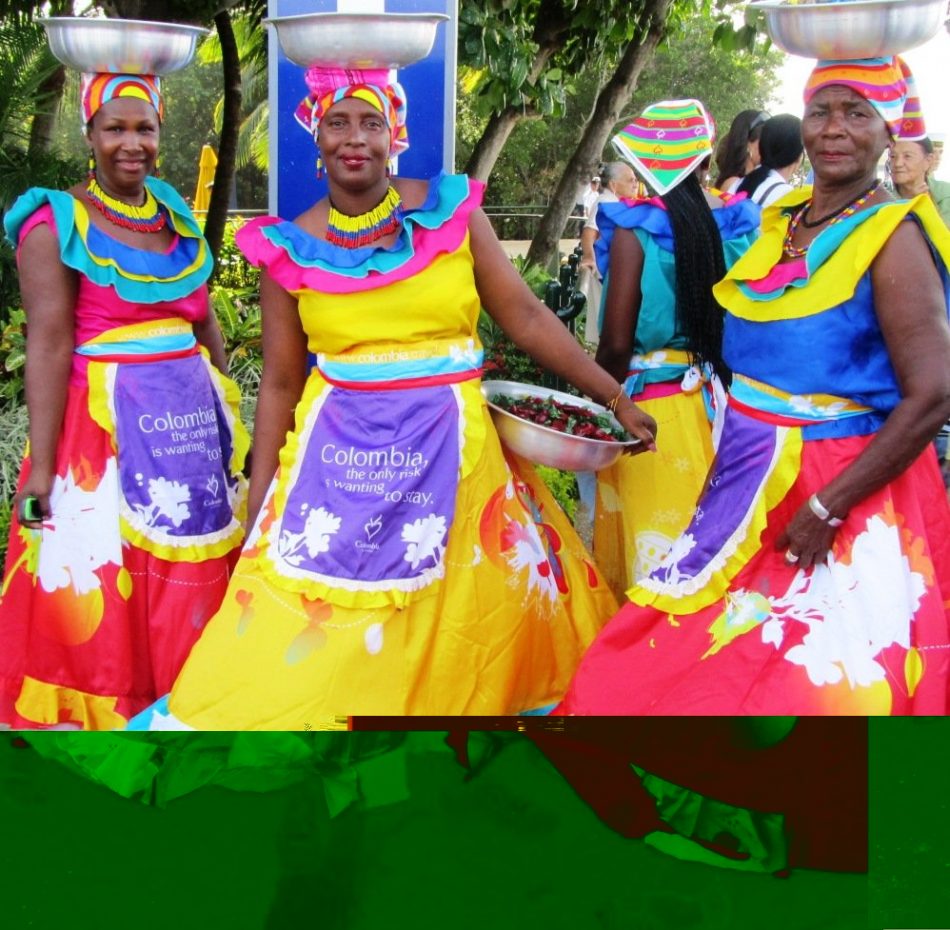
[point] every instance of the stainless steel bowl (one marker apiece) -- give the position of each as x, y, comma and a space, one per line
851, 28
121, 46
356, 40
548, 446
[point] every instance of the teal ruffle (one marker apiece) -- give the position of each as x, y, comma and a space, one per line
138, 276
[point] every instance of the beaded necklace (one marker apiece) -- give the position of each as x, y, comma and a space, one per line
353, 232
842, 213
147, 218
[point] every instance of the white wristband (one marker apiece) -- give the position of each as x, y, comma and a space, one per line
822, 512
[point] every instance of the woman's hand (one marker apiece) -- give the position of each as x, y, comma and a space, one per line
638, 424
38, 487
806, 540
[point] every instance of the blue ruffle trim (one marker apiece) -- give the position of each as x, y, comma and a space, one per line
738, 218
137, 275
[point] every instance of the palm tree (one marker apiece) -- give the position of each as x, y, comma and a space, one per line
31, 90
252, 145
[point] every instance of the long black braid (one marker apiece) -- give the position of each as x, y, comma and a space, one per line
699, 265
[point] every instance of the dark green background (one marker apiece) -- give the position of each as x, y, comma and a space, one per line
510, 848
910, 824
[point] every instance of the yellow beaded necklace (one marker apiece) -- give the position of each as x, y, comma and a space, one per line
354, 232
147, 218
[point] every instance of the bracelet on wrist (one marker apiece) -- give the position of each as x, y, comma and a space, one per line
611, 404
822, 512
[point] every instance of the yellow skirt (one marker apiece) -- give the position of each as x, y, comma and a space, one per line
501, 633
645, 501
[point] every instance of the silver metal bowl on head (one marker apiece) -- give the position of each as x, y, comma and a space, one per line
121, 46
356, 40
548, 446
851, 28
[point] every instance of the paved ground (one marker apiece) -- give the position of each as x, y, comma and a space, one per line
512, 848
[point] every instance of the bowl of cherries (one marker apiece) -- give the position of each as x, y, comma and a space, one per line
553, 428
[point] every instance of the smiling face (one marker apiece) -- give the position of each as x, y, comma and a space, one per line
843, 135
123, 136
355, 141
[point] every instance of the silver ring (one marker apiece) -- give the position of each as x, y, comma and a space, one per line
790, 557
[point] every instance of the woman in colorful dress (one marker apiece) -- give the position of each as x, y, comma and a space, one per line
398, 563
661, 333
130, 505
815, 575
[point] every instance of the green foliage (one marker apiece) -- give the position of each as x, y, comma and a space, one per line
13, 355
734, 37
13, 432
533, 275
234, 299
726, 80
563, 487
25, 64
504, 361
687, 64
253, 148
234, 270
525, 54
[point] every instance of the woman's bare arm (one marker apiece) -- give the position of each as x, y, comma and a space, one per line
48, 289
911, 309
621, 305
282, 380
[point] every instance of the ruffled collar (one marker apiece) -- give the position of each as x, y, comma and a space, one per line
299, 260
137, 275
738, 216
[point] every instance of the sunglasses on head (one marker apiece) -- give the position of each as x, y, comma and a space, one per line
763, 117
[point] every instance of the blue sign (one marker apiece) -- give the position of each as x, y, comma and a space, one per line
430, 90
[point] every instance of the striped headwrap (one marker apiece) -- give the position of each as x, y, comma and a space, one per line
886, 83
96, 90
331, 85
666, 142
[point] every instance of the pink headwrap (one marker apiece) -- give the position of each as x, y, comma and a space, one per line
886, 83
331, 85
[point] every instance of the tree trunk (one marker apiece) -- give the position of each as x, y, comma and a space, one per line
499, 127
227, 144
551, 32
44, 120
612, 99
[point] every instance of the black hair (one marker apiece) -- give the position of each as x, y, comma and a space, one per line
780, 145
699, 265
733, 148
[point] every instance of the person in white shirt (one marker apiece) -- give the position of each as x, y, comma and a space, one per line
591, 195
619, 181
